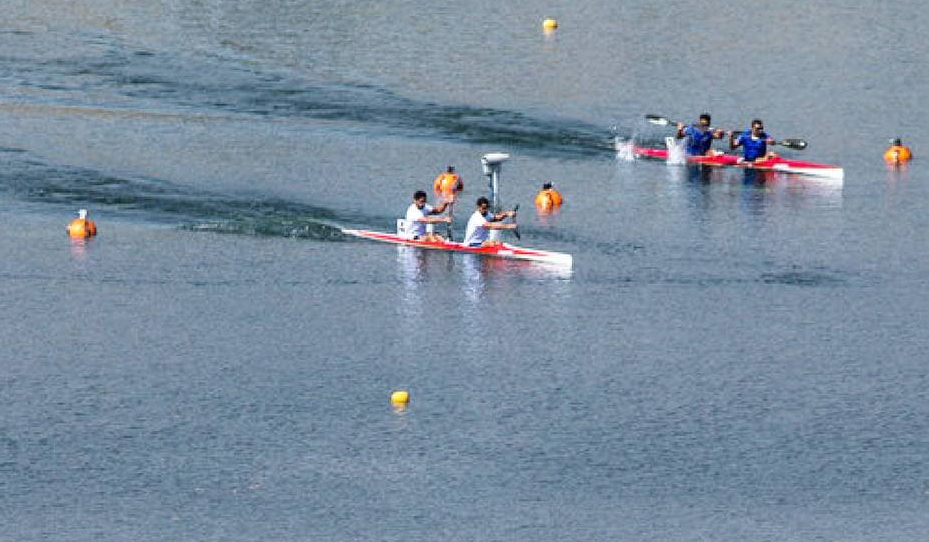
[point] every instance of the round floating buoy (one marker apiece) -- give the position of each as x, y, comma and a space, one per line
549, 24
81, 226
448, 183
543, 201
548, 199
897, 153
400, 398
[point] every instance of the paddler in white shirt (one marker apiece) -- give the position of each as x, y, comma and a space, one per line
482, 221
418, 215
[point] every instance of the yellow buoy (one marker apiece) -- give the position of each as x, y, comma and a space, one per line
549, 24
400, 398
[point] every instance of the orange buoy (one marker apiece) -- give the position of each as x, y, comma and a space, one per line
448, 183
81, 226
897, 154
543, 201
548, 199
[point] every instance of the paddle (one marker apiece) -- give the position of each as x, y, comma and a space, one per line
451, 217
516, 229
797, 144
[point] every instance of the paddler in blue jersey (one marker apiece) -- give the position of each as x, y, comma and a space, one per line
482, 221
699, 136
418, 216
754, 143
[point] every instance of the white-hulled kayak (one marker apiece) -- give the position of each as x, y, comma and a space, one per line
502, 251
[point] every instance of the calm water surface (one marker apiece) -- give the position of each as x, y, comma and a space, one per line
729, 358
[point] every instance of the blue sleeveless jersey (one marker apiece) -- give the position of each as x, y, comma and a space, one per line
698, 142
753, 148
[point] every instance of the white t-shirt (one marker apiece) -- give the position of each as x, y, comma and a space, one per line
476, 233
413, 215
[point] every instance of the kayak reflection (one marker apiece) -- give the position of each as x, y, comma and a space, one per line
478, 274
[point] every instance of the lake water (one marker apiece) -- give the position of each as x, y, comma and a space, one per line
729, 358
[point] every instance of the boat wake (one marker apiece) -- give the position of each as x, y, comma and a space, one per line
166, 84
24, 177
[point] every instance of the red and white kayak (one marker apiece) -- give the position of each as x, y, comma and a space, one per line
502, 251
728, 160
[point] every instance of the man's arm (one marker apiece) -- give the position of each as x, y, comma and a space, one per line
440, 208
733, 142
434, 220
499, 226
506, 214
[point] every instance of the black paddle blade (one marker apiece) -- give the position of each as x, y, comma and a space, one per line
451, 215
798, 144
516, 229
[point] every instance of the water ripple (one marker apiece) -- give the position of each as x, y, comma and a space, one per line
222, 86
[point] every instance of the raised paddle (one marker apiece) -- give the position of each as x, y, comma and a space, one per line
796, 144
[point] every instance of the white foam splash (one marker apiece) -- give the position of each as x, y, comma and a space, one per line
624, 148
677, 155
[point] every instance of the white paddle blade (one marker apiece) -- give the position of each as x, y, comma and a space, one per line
657, 120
